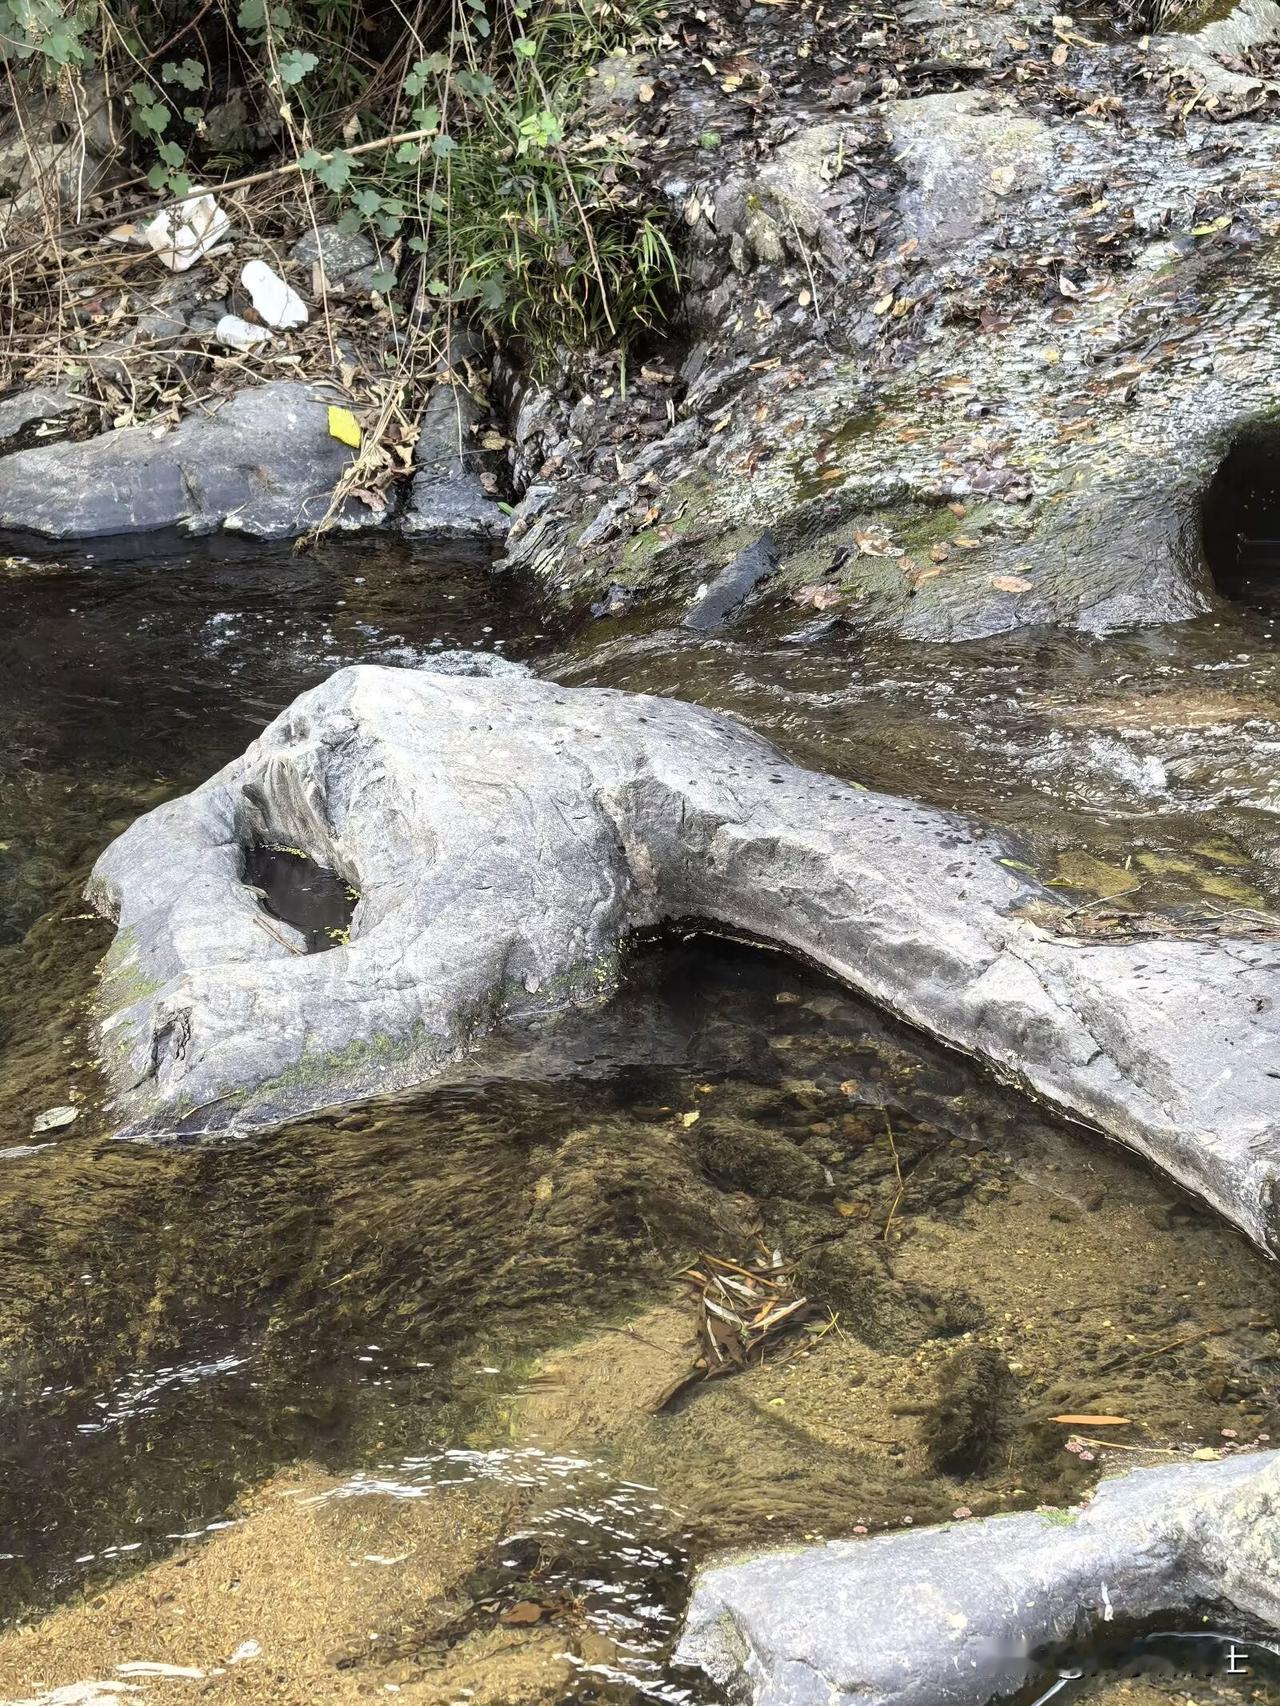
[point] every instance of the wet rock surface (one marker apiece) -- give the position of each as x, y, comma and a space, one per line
953, 1614
969, 322
262, 463
505, 836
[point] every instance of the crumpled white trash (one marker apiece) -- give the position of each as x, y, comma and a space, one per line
277, 303
234, 333
190, 229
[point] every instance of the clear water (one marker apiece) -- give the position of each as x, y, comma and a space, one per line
356, 1321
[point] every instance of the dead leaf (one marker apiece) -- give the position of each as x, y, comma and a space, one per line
1094, 1421
527, 1611
821, 595
1011, 583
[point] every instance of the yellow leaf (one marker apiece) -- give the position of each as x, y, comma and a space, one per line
344, 426
691, 1118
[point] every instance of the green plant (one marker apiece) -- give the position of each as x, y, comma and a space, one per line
461, 139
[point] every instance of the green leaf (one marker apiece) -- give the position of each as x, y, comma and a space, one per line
384, 279
252, 14
526, 47
179, 184
426, 118
157, 177
295, 65
281, 18
478, 84
368, 202
190, 73
442, 145
335, 173
408, 154
171, 154
310, 160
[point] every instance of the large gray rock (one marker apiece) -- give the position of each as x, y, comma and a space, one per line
506, 835
262, 463
45, 411
948, 1616
446, 499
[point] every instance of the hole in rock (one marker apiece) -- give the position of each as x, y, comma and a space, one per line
293, 888
1168, 1656
1240, 521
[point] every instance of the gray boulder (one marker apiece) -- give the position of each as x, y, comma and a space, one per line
733, 586
348, 257
446, 499
506, 835
949, 1616
45, 411
262, 463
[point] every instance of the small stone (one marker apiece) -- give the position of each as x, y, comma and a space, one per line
54, 1119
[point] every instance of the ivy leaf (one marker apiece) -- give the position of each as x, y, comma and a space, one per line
384, 279
335, 173
408, 154
295, 65
493, 294
170, 153
310, 160
477, 84
426, 118
62, 48
152, 117
190, 73
281, 18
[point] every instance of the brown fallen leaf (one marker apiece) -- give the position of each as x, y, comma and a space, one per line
527, 1611
819, 594
966, 542
1011, 583
1094, 1421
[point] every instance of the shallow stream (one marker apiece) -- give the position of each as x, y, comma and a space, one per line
398, 1400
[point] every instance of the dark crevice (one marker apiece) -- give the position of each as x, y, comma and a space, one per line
1240, 521
290, 887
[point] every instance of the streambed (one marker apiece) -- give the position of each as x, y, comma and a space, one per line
426, 1357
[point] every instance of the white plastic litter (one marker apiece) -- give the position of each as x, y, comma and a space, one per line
181, 234
278, 304
234, 333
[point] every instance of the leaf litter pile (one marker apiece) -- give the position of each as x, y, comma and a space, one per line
742, 1312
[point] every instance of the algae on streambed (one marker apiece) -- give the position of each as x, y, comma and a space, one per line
486, 1269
